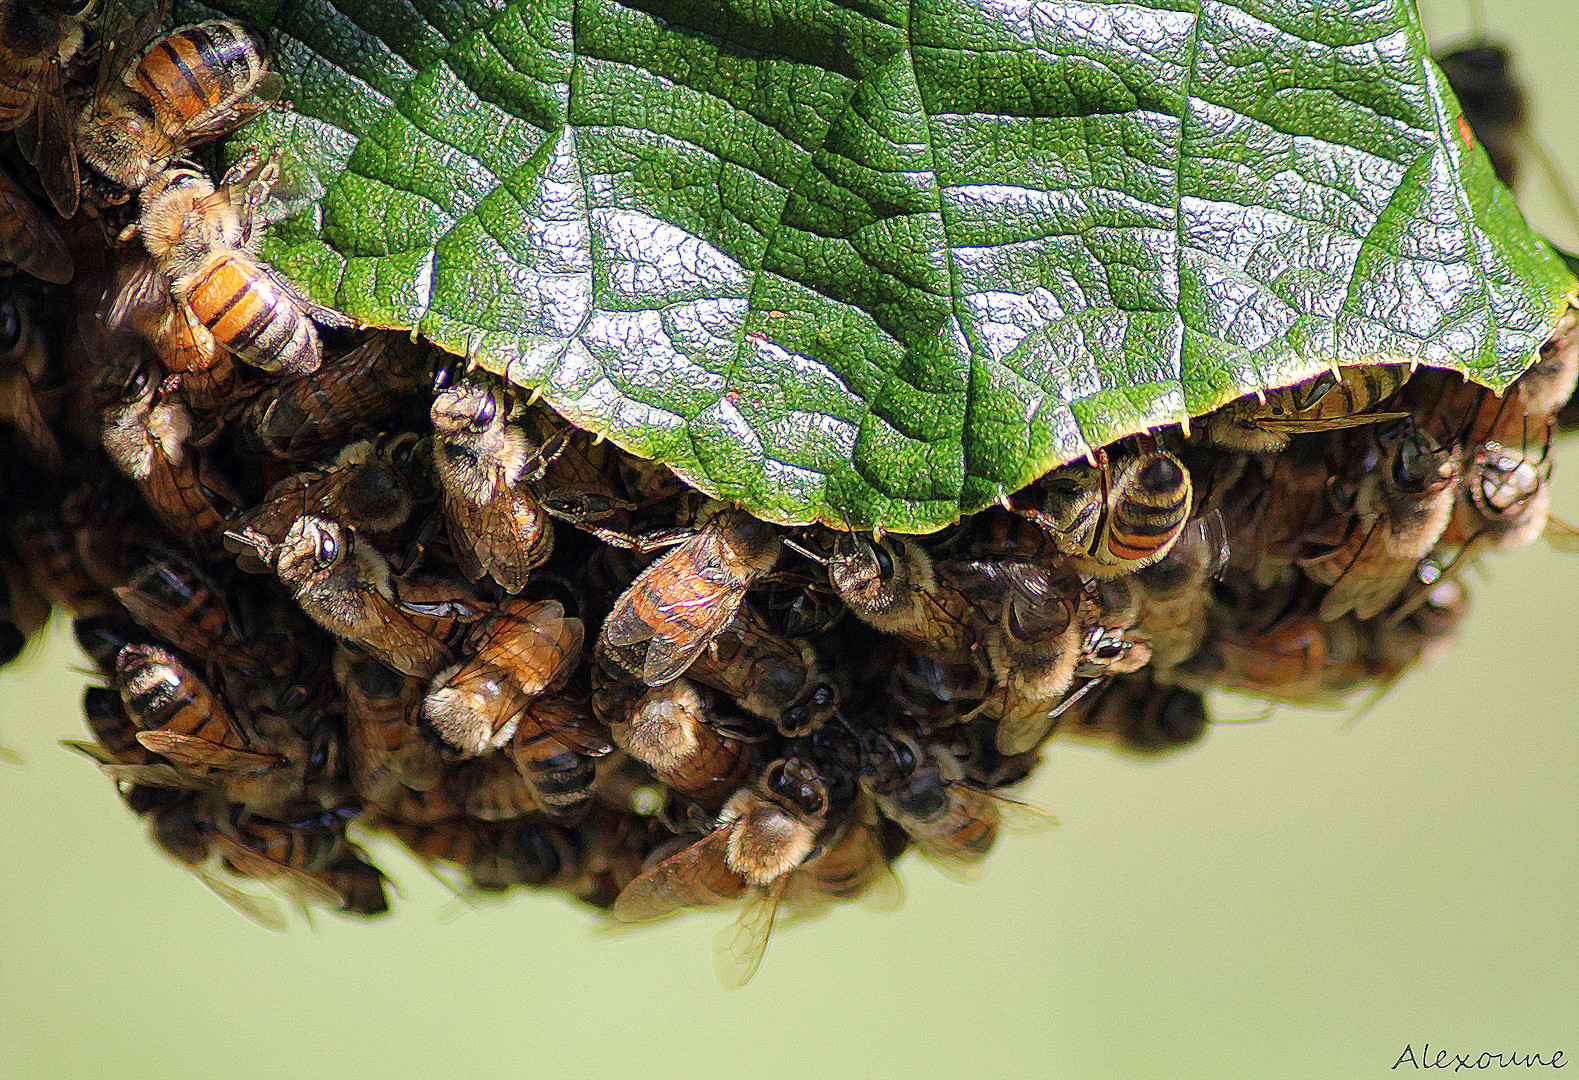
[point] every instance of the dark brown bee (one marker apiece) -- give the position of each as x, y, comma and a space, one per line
763, 834
671, 730
38, 40
680, 603
1174, 591
43, 544
497, 855
177, 600
28, 238
892, 584
491, 788
1481, 75
527, 649
24, 359
1114, 522
950, 822
1402, 507
345, 587
306, 859
1138, 715
767, 675
1302, 659
556, 747
147, 436
303, 417
488, 468
385, 747
115, 733
1262, 424
192, 86
370, 487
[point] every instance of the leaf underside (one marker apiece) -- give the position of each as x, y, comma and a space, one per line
884, 260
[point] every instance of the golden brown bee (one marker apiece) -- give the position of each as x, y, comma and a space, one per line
763, 834
950, 822
173, 597
1402, 507
1302, 659
667, 616
1262, 424
767, 675
892, 584
497, 855
201, 244
1034, 649
194, 85
147, 437
671, 730
38, 39
28, 238
491, 788
852, 865
527, 649
306, 859
370, 487
1138, 715
1492, 99
1268, 538
316, 412
1174, 591
113, 729
1114, 522
488, 467
385, 747
345, 587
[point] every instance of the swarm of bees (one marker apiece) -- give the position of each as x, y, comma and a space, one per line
336, 583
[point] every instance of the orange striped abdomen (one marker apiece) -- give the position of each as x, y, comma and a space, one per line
199, 70
1148, 512
250, 314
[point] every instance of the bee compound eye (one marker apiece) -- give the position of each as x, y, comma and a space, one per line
329, 545
487, 411
10, 325
885, 563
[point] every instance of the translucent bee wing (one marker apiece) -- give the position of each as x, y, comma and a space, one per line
1561, 535
53, 142
260, 909
39, 248
1021, 818
961, 867
886, 893
739, 947
1292, 426
92, 751
155, 776
198, 753
301, 887
681, 881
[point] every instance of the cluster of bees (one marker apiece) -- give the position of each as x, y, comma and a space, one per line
332, 579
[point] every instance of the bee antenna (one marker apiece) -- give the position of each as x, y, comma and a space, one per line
807, 552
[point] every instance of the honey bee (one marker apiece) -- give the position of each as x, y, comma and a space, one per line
29, 239
192, 86
527, 649
764, 832
1034, 652
950, 822
676, 606
304, 416
853, 865
487, 467
113, 729
491, 788
370, 487
170, 595
556, 747
1139, 715
44, 547
357, 884
188, 724
306, 859
39, 38
1174, 588
1403, 506
1112, 523
1502, 499
147, 438
1261, 424
767, 675
23, 361
1482, 79
1302, 659
182, 828
671, 730
893, 585
1110, 644
345, 587
497, 855
1455, 410
386, 750
202, 266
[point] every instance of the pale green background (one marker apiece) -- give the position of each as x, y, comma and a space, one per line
1292, 899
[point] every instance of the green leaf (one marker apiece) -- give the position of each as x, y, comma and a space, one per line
884, 259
